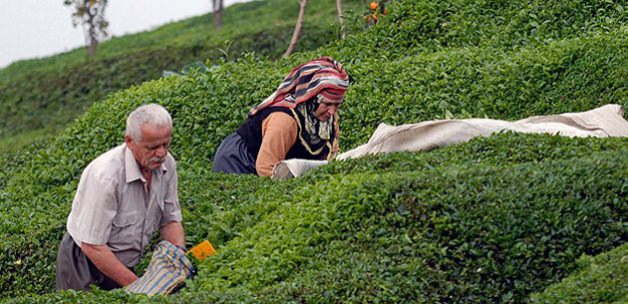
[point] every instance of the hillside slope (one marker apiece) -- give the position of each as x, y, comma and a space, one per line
492, 220
40, 97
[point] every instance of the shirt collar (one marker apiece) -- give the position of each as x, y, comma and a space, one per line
132, 169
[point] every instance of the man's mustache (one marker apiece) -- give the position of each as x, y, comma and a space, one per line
157, 159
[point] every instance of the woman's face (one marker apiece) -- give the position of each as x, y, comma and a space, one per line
326, 110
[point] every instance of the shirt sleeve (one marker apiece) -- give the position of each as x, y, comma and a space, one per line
172, 209
93, 209
279, 133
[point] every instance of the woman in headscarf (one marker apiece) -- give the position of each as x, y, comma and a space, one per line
299, 120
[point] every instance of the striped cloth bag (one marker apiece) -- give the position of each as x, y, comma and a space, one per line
167, 270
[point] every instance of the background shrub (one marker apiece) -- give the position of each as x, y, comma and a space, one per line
495, 219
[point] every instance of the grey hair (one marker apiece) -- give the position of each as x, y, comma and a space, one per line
152, 114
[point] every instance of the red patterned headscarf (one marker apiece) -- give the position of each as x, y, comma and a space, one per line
323, 76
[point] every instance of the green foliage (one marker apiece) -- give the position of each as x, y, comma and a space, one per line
455, 230
599, 279
28, 261
436, 25
41, 93
13, 144
497, 150
72, 296
491, 220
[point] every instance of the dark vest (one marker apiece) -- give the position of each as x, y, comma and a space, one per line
251, 133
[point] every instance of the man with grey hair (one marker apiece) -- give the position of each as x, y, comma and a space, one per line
123, 197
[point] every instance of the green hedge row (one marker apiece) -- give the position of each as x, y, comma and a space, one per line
49, 97
471, 232
428, 26
564, 76
273, 248
501, 149
203, 118
223, 208
28, 262
599, 279
34, 99
463, 83
463, 234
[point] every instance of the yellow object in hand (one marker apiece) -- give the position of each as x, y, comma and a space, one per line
202, 250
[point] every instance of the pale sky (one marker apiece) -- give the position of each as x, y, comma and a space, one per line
39, 28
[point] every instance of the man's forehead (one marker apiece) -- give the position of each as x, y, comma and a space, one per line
155, 133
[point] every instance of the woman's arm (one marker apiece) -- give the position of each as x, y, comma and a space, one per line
279, 133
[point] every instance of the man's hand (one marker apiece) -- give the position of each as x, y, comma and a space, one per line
108, 263
173, 233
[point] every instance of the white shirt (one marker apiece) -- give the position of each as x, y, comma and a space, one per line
111, 205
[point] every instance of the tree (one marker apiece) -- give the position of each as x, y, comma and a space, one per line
340, 18
91, 15
297, 29
217, 13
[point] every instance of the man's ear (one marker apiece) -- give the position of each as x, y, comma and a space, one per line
128, 140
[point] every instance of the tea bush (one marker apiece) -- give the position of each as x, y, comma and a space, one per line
599, 279
49, 93
464, 233
491, 220
505, 148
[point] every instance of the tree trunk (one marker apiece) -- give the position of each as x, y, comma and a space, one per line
218, 14
91, 32
341, 18
91, 49
297, 29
